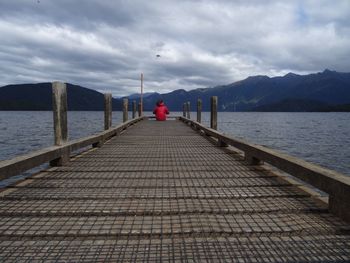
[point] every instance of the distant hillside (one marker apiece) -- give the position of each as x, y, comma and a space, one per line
138, 95
39, 97
324, 91
293, 105
338, 108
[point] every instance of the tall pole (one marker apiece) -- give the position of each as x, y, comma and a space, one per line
141, 98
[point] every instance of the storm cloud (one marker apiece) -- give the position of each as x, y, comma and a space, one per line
105, 45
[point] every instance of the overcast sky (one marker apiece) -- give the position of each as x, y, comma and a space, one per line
106, 44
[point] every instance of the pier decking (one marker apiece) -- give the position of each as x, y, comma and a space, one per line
161, 192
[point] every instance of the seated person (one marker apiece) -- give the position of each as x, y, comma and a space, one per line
160, 111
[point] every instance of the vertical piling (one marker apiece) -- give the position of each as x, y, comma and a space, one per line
214, 112
184, 109
59, 107
125, 110
199, 110
134, 109
139, 109
108, 110
188, 109
141, 97
59, 104
251, 160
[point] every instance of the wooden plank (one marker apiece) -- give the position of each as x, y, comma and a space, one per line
139, 207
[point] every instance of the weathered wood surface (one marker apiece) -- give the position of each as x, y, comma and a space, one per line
199, 110
214, 112
31, 160
335, 184
125, 109
108, 110
162, 193
60, 107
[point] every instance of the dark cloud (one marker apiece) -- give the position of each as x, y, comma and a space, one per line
106, 44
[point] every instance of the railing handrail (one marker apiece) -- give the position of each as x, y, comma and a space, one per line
31, 160
336, 184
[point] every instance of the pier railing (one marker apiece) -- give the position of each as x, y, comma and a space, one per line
59, 154
52, 154
335, 184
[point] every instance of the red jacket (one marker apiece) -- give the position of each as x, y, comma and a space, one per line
161, 111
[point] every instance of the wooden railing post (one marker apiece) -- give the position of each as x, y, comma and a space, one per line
108, 110
184, 109
125, 110
134, 109
188, 109
251, 160
141, 96
339, 207
59, 107
139, 109
214, 112
199, 110
59, 104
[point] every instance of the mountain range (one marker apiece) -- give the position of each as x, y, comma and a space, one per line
323, 91
39, 97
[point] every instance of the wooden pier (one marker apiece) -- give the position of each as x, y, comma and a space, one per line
162, 192
173, 191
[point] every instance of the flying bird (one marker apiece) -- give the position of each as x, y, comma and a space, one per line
158, 56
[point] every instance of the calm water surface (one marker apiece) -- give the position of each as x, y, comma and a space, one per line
322, 138
24, 131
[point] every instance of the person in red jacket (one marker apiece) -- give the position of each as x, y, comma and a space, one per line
160, 111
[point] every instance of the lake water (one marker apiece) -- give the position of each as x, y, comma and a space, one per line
321, 138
